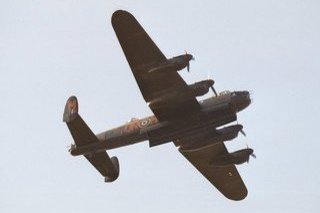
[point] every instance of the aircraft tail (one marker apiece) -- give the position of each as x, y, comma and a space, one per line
86, 140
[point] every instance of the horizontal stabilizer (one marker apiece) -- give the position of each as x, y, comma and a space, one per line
83, 136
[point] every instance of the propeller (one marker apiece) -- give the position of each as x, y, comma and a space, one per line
251, 154
188, 64
243, 133
212, 88
214, 91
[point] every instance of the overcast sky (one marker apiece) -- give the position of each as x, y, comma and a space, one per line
50, 50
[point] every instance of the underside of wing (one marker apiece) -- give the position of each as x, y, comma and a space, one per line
143, 56
225, 178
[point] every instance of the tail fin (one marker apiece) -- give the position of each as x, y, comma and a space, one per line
71, 109
85, 138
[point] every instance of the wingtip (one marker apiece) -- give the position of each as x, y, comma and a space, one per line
241, 195
122, 18
71, 109
119, 14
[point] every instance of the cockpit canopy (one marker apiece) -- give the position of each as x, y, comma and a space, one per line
226, 92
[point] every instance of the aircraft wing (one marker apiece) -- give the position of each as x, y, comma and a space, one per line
142, 55
226, 179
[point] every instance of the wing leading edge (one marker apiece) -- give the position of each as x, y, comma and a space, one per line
226, 179
143, 55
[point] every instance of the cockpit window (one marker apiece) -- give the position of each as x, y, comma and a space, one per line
224, 92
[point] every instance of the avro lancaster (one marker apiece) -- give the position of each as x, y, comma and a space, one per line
197, 128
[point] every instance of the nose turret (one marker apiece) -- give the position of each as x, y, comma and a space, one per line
189, 57
240, 100
250, 151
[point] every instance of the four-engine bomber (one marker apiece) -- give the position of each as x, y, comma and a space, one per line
197, 128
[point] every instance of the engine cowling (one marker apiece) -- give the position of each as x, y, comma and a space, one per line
208, 137
238, 157
202, 87
176, 63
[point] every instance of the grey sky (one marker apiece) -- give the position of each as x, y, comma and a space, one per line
50, 50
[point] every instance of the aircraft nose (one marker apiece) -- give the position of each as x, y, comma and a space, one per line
241, 100
246, 95
190, 57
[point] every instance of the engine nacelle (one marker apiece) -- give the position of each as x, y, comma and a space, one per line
238, 157
181, 61
202, 87
177, 63
209, 137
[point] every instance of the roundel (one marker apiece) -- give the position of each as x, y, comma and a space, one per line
144, 123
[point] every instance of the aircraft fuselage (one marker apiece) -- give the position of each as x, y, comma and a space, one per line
215, 112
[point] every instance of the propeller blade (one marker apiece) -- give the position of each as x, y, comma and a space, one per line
214, 91
188, 67
253, 155
212, 88
244, 134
